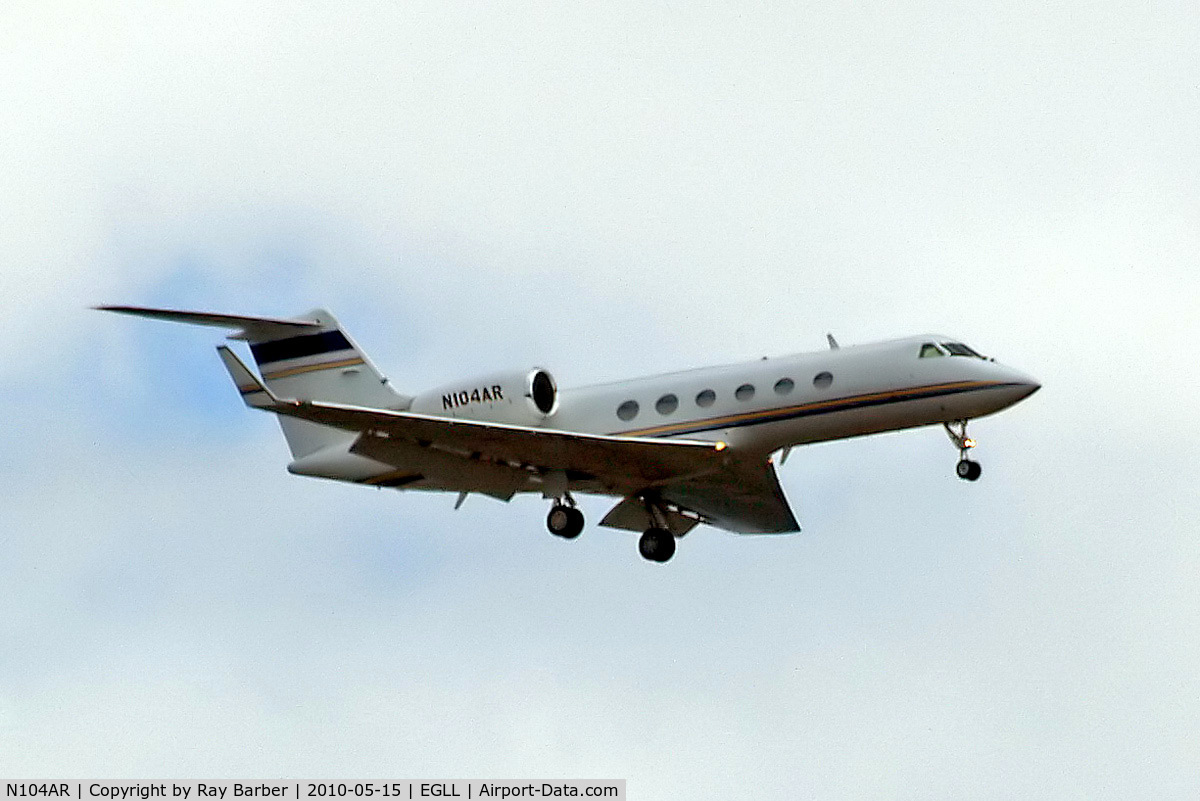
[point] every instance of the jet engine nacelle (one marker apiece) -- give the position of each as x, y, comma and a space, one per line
526, 397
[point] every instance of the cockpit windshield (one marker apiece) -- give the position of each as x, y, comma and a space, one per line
933, 350
959, 349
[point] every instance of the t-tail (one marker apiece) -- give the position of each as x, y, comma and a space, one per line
307, 357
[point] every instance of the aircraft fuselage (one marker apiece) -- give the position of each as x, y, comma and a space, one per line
800, 399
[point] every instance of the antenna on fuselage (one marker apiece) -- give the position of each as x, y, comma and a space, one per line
833, 345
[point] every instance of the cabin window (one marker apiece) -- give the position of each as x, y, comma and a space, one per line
784, 386
745, 392
628, 410
959, 349
667, 404
706, 398
930, 350
822, 380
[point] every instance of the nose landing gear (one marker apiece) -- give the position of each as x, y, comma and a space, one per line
966, 469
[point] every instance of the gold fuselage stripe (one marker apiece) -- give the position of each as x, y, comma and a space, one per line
790, 411
312, 368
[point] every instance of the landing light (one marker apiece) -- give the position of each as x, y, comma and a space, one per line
720, 446
968, 443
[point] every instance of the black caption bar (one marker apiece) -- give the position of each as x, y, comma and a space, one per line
613, 789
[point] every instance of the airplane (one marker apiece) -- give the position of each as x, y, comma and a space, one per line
676, 450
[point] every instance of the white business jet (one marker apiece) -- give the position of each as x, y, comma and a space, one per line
677, 449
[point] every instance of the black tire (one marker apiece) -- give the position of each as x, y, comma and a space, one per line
575, 524
968, 470
564, 521
657, 545
559, 519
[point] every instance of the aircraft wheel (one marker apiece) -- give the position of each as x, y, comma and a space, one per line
968, 470
657, 545
564, 521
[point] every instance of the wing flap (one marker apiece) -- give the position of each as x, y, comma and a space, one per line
743, 496
442, 467
631, 514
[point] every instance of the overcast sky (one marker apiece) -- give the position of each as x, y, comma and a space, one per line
606, 192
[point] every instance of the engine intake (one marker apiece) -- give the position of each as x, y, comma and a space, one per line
543, 392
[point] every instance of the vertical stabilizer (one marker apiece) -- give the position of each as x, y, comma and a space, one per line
320, 364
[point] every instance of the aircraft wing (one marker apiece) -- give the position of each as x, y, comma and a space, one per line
625, 464
619, 462
744, 496
702, 477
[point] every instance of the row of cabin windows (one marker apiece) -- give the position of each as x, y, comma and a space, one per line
668, 403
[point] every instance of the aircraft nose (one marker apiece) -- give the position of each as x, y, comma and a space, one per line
1027, 384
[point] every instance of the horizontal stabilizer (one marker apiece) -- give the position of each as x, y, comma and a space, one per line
252, 328
247, 383
306, 356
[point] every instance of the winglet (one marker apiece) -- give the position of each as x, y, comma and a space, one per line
253, 392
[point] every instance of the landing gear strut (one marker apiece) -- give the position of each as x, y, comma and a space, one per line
965, 469
658, 542
565, 521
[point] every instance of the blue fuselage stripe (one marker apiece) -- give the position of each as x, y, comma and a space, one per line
299, 347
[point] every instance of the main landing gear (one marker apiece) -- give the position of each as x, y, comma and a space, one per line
565, 520
657, 544
965, 469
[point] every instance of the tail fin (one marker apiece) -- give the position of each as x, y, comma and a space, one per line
308, 357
